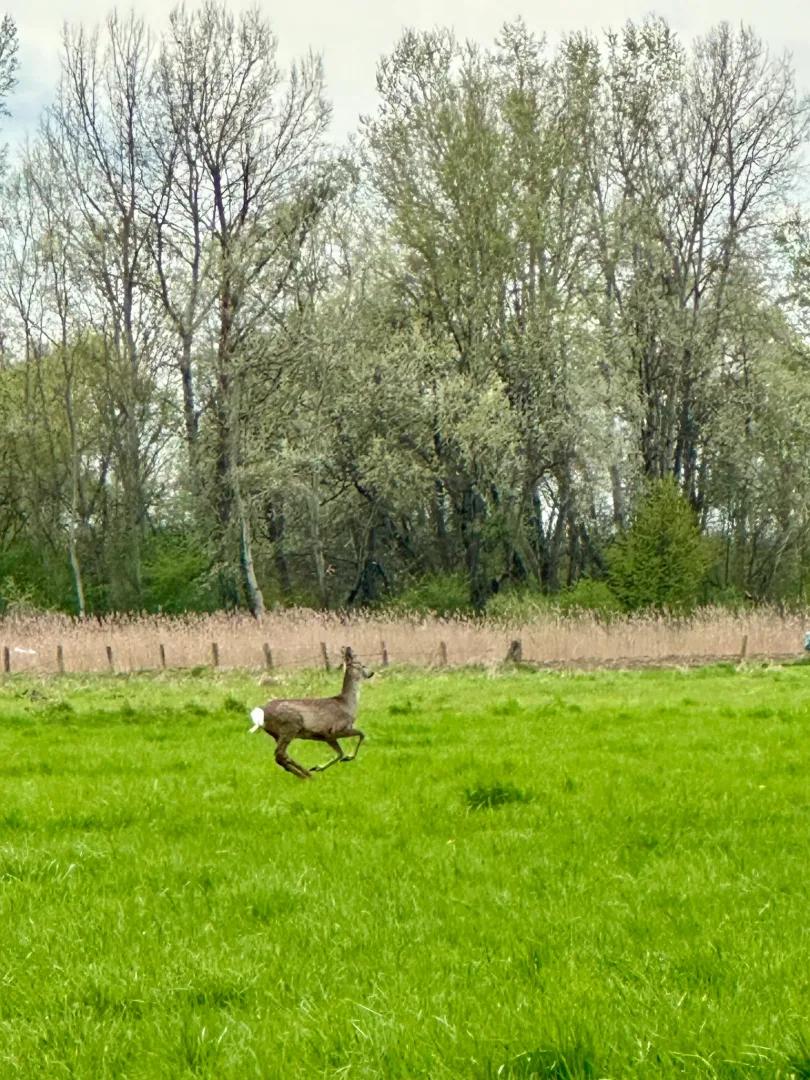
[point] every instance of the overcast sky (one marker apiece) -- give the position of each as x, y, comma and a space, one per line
352, 35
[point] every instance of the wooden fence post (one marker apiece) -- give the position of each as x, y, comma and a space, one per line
162, 655
110, 658
384, 655
60, 659
744, 647
515, 652
268, 656
325, 654
214, 654
6, 659
443, 653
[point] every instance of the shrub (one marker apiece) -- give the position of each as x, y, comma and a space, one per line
591, 595
517, 605
661, 560
176, 576
440, 594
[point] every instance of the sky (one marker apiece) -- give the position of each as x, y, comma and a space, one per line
352, 35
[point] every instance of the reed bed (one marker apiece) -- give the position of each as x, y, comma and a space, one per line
46, 643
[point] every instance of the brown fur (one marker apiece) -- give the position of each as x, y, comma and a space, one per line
320, 719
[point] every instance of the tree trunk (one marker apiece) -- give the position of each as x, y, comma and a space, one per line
317, 548
619, 504
189, 404
255, 596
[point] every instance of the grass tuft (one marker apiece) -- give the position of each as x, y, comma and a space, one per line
487, 796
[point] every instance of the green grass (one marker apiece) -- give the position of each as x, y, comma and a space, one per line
522, 875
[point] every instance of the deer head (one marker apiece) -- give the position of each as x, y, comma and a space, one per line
353, 664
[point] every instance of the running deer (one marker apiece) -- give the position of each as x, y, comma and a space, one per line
321, 719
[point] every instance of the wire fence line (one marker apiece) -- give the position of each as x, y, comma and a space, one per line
111, 660
119, 655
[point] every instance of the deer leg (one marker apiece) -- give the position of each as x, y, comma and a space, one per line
340, 756
353, 733
286, 762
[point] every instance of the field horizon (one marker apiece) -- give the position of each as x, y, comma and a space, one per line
523, 875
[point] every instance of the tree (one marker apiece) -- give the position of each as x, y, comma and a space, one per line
9, 66
477, 160
660, 561
695, 158
94, 134
251, 148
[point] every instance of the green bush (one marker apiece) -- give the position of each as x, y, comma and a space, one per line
729, 597
590, 595
517, 605
440, 594
661, 560
176, 576
33, 578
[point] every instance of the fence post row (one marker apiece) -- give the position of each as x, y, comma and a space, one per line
514, 654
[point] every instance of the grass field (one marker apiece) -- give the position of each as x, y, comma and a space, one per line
522, 875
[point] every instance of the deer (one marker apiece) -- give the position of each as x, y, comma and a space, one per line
320, 719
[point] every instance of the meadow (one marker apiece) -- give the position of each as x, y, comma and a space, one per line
523, 874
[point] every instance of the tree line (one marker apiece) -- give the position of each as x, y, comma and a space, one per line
539, 295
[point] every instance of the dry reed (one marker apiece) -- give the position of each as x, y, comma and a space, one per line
30, 642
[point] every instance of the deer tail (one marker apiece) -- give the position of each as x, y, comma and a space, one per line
257, 716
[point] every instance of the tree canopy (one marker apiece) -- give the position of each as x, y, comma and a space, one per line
543, 322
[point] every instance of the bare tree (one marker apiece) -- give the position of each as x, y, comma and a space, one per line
95, 136
9, 66
63, 333
693, 165
248, 154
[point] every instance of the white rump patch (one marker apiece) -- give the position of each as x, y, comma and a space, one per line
257, 716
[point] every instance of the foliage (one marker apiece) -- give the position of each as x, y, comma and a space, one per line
15, 600
215, 883
436, 594
244, 367
661, 560
177, 576
516, 604
590, 595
